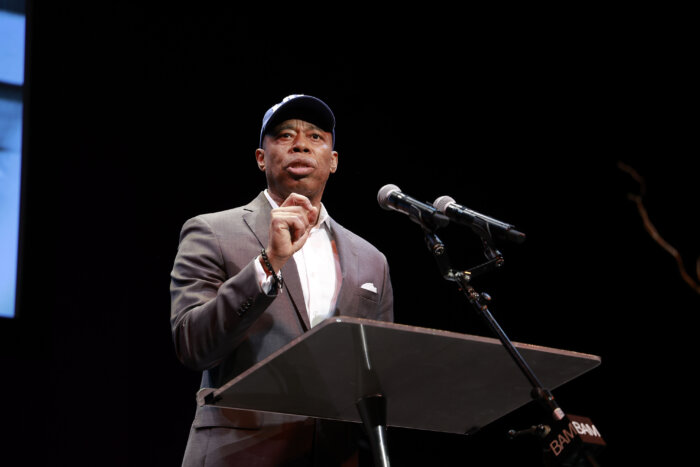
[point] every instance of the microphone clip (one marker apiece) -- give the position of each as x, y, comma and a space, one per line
494, 259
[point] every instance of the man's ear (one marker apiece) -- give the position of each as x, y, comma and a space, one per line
334, 161
260, 158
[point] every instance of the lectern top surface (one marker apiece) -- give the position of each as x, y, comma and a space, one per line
432, 380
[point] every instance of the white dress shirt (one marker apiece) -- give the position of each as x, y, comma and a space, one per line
318, 267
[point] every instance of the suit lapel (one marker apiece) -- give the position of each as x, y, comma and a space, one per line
258, 220
345, 303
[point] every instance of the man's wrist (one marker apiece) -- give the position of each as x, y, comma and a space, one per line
267, 267
265, 280
261, 261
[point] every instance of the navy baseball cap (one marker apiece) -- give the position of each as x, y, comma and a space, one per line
308, 108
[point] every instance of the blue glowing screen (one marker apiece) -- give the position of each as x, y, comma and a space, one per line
12, 43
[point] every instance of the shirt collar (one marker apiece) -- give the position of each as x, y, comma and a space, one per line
324, 219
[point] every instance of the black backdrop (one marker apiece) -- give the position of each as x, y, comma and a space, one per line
142, 116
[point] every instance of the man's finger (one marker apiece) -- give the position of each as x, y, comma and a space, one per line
295, 199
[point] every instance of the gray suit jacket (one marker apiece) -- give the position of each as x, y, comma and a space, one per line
222, 323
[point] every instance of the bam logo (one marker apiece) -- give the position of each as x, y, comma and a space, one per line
563, 439
586, 429
578, 430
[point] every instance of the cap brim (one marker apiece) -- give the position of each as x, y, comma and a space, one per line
307, 108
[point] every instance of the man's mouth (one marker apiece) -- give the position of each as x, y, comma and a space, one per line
300, 168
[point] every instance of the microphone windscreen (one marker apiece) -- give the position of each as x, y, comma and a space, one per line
442, 202
383, 195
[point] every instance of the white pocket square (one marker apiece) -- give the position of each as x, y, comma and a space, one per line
369, 286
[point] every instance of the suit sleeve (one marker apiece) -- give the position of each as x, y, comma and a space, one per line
210, 312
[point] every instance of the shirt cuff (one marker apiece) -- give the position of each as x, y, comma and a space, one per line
266, 282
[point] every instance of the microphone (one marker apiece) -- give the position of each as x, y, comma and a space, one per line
466, 216
391, 197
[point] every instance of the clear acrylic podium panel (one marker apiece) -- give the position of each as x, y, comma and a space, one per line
432, 380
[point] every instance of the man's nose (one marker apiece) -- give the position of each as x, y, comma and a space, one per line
300, 144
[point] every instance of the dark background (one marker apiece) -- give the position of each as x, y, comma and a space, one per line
140, 117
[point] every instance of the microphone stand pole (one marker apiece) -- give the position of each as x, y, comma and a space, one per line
479, 302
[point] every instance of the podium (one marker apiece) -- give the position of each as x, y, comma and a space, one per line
424, 379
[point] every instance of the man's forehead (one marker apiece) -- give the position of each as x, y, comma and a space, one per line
296, 124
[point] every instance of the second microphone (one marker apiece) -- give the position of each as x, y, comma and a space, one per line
391, 197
